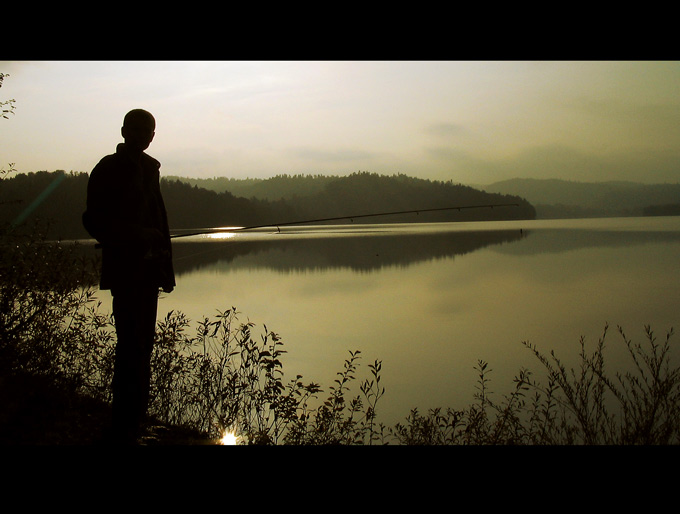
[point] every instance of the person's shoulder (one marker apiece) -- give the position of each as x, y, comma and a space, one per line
150, 161
107, 160
106, 169
113, 160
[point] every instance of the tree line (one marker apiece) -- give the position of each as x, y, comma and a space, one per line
57, 200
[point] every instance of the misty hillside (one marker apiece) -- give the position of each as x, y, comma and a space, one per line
555, 198
58, 200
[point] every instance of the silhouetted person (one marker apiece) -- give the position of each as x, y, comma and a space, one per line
126, 214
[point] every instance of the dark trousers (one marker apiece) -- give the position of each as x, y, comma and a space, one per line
134, 312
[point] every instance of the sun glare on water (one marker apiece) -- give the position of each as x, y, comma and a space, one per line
221, 235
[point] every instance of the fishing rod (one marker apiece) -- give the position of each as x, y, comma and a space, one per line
337, 218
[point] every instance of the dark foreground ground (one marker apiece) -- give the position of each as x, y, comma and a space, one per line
35, 411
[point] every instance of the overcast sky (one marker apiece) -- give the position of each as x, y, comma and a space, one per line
470, 122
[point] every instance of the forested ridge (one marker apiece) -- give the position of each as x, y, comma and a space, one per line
57, 199
275, 188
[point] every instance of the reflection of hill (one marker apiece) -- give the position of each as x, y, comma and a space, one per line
365, 251
371, 249
565, 240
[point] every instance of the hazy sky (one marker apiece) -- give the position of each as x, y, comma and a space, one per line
470, 122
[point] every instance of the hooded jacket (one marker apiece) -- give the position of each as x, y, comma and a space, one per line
126, 214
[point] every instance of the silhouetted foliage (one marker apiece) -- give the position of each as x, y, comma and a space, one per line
6, 106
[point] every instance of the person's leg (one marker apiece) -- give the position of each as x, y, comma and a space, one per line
134, 313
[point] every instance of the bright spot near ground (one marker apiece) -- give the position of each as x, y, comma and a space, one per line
229, 439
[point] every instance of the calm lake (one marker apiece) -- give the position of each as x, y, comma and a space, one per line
430, 300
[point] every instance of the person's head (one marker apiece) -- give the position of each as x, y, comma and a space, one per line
138, 129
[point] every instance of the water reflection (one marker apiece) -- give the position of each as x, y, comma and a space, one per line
430, 300
565, 240
372, 248
361, 250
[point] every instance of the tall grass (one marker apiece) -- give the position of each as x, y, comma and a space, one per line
220, 376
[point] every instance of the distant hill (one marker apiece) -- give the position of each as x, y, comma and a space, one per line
365, 192
58, 199
276, 188
298, 197
555, 198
